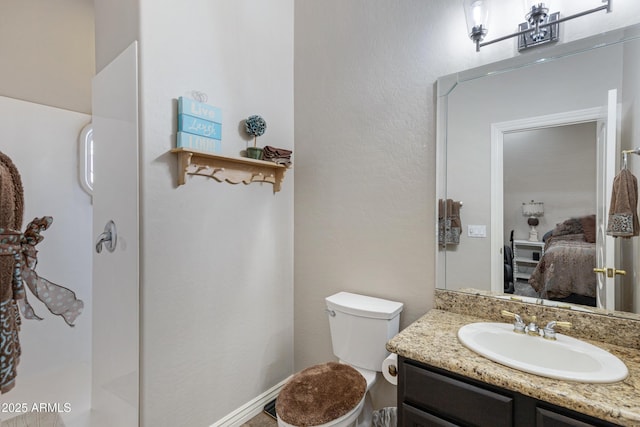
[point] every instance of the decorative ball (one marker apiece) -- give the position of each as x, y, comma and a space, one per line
255, 125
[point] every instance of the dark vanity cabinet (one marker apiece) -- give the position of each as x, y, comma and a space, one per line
430, 397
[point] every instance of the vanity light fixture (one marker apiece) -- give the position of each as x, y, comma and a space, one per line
541, 27
533, 210
477, 15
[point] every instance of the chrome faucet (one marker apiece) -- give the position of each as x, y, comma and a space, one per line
532, 328
520, 326
548, 332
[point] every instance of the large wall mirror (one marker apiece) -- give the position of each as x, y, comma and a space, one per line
547, 127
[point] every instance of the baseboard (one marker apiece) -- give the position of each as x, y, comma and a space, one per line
250, 409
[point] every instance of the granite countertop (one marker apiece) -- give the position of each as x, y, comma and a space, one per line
432, 340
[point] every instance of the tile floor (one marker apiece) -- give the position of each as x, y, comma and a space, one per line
54, 420
36, 419
261, 420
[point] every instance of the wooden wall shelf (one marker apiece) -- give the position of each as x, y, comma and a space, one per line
230, 169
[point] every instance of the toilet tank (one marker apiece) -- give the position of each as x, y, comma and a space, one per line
361, 326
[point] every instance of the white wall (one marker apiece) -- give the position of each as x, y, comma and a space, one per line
43, 144
216, 260
365, 145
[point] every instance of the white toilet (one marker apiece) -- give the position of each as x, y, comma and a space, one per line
336, 394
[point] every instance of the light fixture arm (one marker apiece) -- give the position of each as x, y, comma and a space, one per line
606, 7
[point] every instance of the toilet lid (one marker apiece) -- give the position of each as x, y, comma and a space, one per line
320, 394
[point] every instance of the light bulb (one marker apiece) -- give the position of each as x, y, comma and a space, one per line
477, 15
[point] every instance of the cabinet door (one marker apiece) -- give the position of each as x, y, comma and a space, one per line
416, 418
459, 400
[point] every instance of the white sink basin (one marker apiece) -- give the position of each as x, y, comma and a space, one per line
566, 358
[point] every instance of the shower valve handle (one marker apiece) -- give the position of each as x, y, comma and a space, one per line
108, 238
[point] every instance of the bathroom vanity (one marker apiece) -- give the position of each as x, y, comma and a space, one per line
442, 383
434, 397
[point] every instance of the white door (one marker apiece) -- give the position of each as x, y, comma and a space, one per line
115, 359
606, 245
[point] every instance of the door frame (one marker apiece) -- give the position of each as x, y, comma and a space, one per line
498, 130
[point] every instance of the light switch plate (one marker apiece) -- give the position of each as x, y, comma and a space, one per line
477, 231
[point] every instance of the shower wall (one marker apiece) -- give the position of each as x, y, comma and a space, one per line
114, 393
54, 367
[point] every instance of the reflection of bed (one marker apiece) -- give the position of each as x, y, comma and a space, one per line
565, 271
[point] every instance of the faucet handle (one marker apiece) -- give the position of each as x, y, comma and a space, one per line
549, 330
511, 315
518, 324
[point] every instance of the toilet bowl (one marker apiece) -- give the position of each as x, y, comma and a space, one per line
336, 394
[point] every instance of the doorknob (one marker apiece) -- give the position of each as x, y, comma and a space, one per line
610, 271
108, 238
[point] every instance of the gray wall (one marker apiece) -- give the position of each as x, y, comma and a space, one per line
216, 258
117, 25
629, 289
363, 142
47, 51
556, 166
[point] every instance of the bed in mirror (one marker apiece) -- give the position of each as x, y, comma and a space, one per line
528, 150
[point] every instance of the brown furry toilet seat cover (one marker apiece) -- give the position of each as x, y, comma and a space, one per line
320, 394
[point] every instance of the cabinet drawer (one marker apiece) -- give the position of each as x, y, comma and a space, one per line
547, 418
413, 417
466, 403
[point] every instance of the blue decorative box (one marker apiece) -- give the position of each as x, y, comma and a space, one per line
196, 142
199, 110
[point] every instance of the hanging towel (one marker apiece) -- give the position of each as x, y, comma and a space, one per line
17, 267
449, 223
277, 155
11, 210
623, 212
